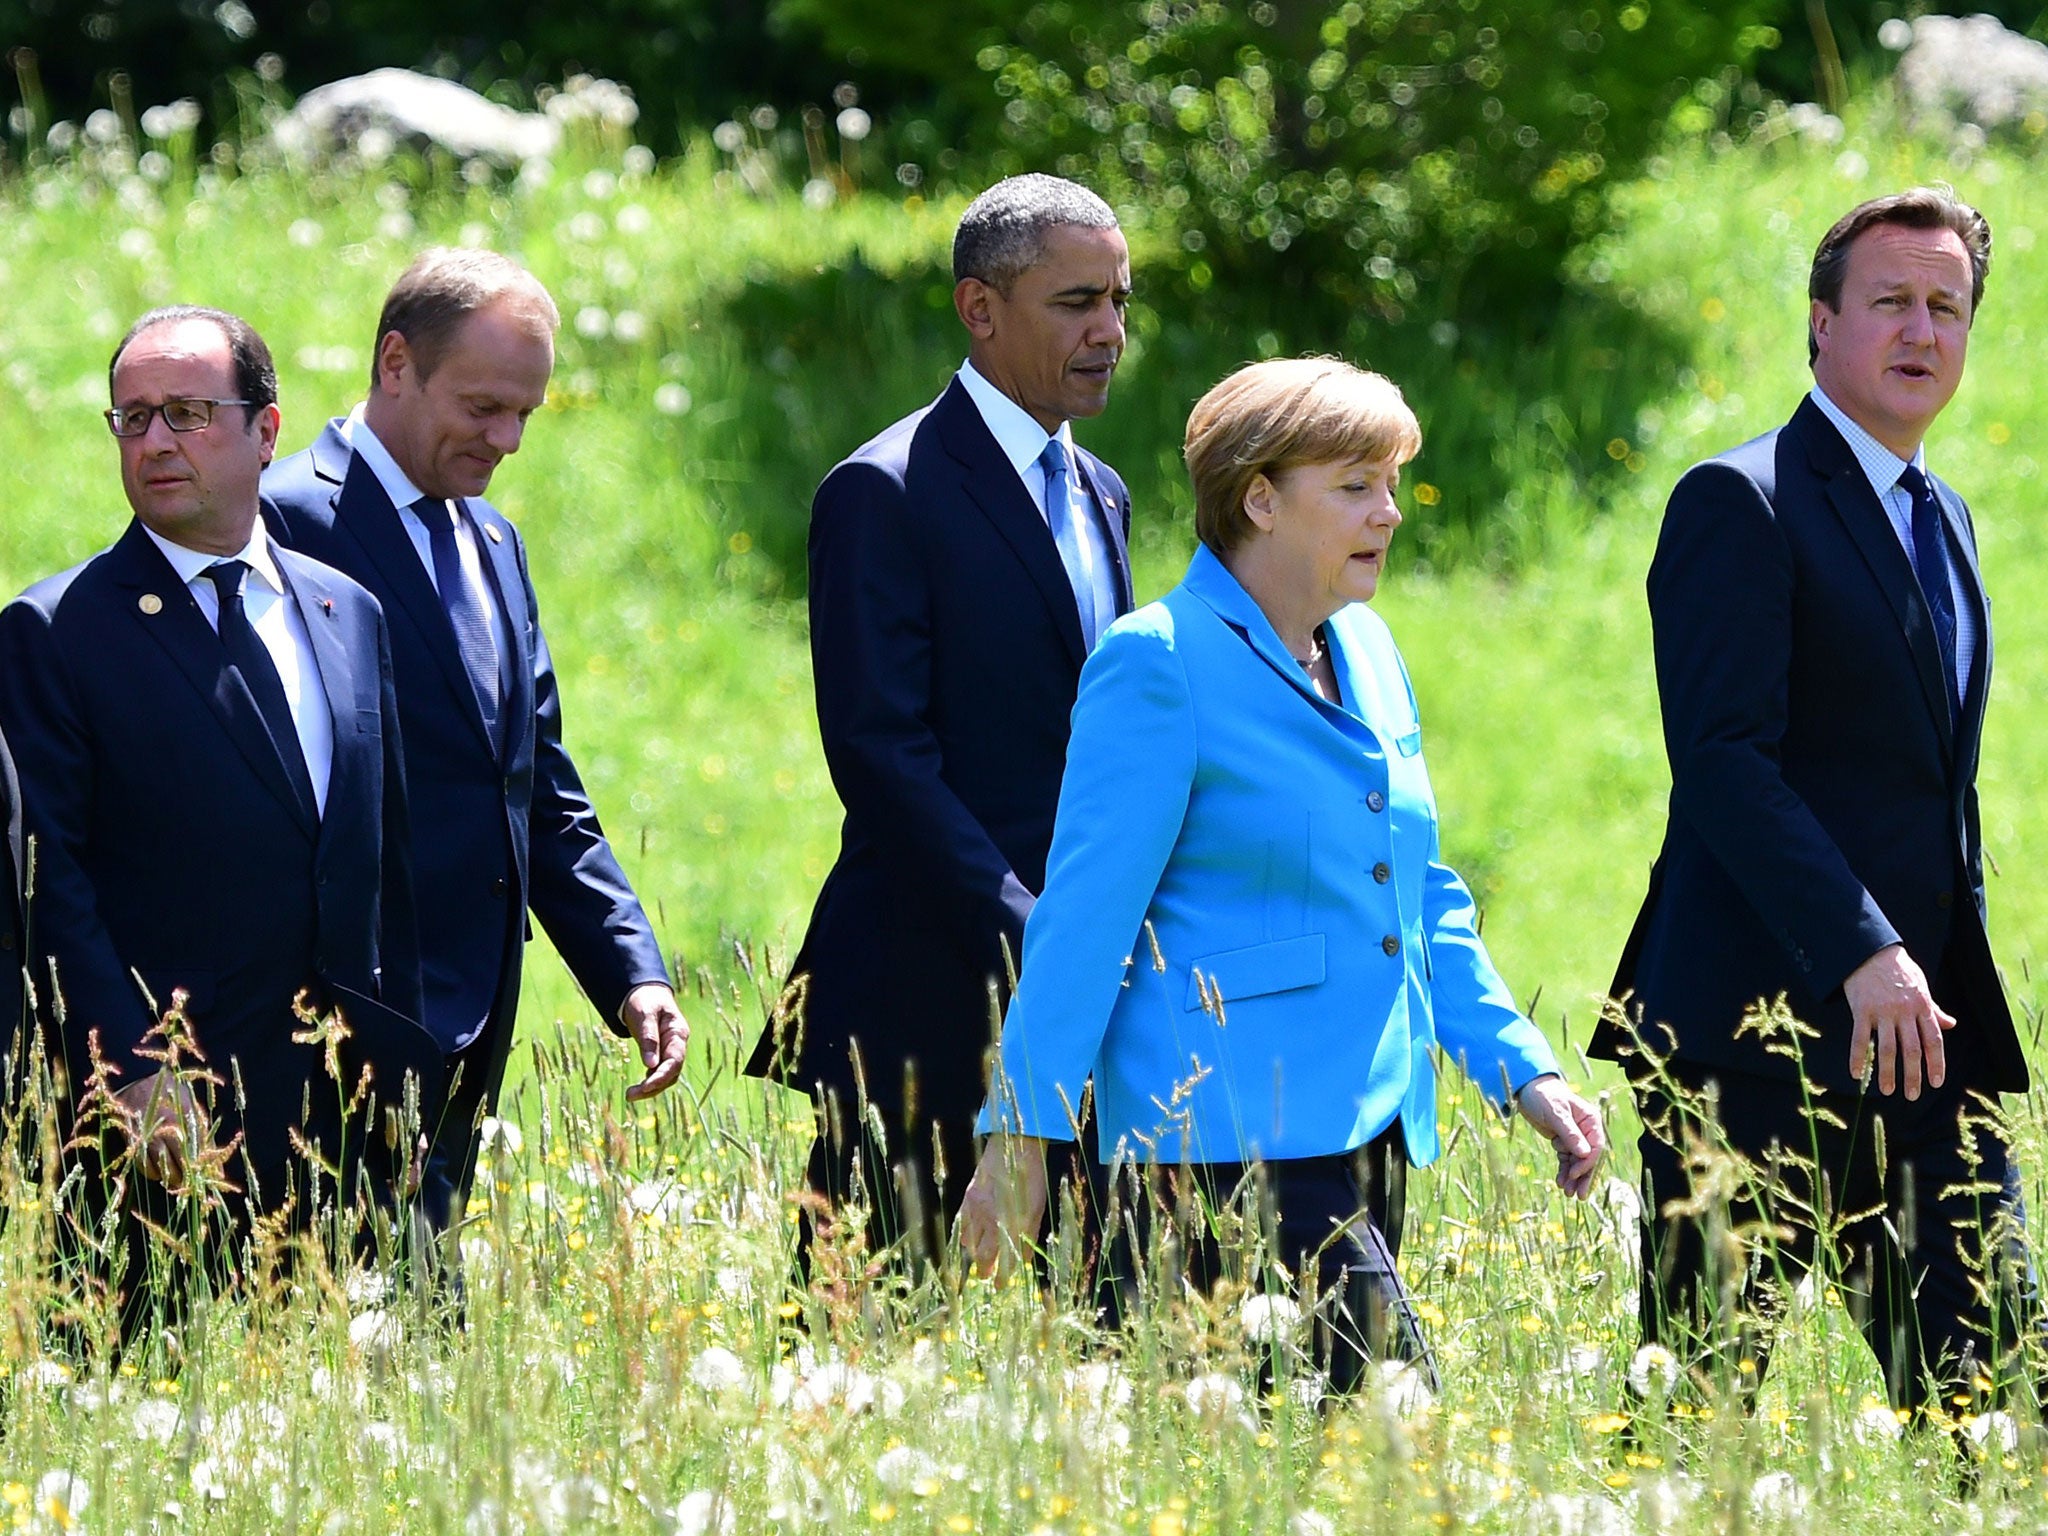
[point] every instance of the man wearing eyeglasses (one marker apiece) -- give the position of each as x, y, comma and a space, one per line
208, 744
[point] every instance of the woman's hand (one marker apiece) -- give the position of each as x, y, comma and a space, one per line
1571, 1125
1004, 1203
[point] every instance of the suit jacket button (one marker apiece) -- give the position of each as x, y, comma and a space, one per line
1381, 874
498, 886
6, 941
1391, 945
1945, 900
1375, 802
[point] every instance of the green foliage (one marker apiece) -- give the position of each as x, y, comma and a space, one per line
1380, 156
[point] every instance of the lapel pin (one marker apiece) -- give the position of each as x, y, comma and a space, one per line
149, 602
495, 536
327, 606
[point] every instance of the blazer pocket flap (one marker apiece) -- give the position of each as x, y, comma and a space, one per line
1409, 742
1280, 966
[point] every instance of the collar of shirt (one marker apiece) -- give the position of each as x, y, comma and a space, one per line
1020, 437
397, 484
1881, 467
191, 564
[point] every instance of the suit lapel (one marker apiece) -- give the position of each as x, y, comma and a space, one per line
1210, 580
363, 510
501, 564
174, 622
1113, 529
315, 602
992, 485
1962, 541
1863, 516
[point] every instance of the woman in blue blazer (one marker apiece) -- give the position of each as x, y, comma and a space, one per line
1248, 938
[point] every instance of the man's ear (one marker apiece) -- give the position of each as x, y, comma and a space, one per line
268, 422
975, 301
394, 362
1818, 319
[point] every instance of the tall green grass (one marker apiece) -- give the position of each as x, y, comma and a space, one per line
631, 1360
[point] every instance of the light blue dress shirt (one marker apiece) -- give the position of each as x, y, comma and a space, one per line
1882, 468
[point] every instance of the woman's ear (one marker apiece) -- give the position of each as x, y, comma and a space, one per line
1260, 499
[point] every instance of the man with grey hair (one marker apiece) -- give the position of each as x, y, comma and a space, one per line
962, 564
393, 495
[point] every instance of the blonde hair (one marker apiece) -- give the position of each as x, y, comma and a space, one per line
1275, 415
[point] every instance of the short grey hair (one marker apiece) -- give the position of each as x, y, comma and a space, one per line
442, 288
1002, 233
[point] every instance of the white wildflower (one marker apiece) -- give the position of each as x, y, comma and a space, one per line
207, 1482
1214, 1393
901, 1466
1269, 1319
376, 1330
47, 1374
818, 193
586, 227
1653, 1372
718, 1370
638, 160
1777, 1496
854, 124
1307, 1522
497, 1134
103, 127
304, 233
1875, 1424
672, 400
62, 1496
836, 1385
704, 1513
729, 137
598, 186
1895, 34
158, 1419
593, 323
1995, 1433
630, 326
1663, 1503
1403, 1389
633, 219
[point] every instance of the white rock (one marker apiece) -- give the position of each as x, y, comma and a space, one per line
402, 106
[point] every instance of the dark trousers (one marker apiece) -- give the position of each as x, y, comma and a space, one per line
1910, 1208
451, 1155
910, 1178
1331, 1222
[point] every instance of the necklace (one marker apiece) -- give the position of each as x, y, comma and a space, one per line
1315, 652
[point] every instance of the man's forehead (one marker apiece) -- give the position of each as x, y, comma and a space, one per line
1893, 252
195, 346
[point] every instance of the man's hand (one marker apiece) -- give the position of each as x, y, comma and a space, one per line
1890, 1001
658, 1027
165, 1122
1004, 1203
1571, 1125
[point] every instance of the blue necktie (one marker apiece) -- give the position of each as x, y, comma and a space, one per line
465, 614
1930, 563
1064, 514
251, 658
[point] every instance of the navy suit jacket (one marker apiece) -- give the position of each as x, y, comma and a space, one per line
497, 830
173, 850
14, 956
946, 652
1823, 790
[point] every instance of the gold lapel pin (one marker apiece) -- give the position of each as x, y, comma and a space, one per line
149, 602
495, 536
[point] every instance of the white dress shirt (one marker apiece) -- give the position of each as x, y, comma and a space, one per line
1882, 468
277, 623
1022, 440
403, 493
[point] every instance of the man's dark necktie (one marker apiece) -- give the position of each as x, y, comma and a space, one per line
466, 615
1930, 562
248, 655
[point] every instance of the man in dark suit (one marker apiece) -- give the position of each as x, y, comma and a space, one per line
1823, 652
393, 495
15, 1022
961, 566
208, 739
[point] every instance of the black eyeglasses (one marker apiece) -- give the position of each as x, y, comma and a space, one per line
179, 416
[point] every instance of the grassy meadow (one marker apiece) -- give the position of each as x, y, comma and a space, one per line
632, 1360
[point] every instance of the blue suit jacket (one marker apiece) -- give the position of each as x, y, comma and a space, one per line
1823, 790
496, 831
172, 846
946, 649
1248, 934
